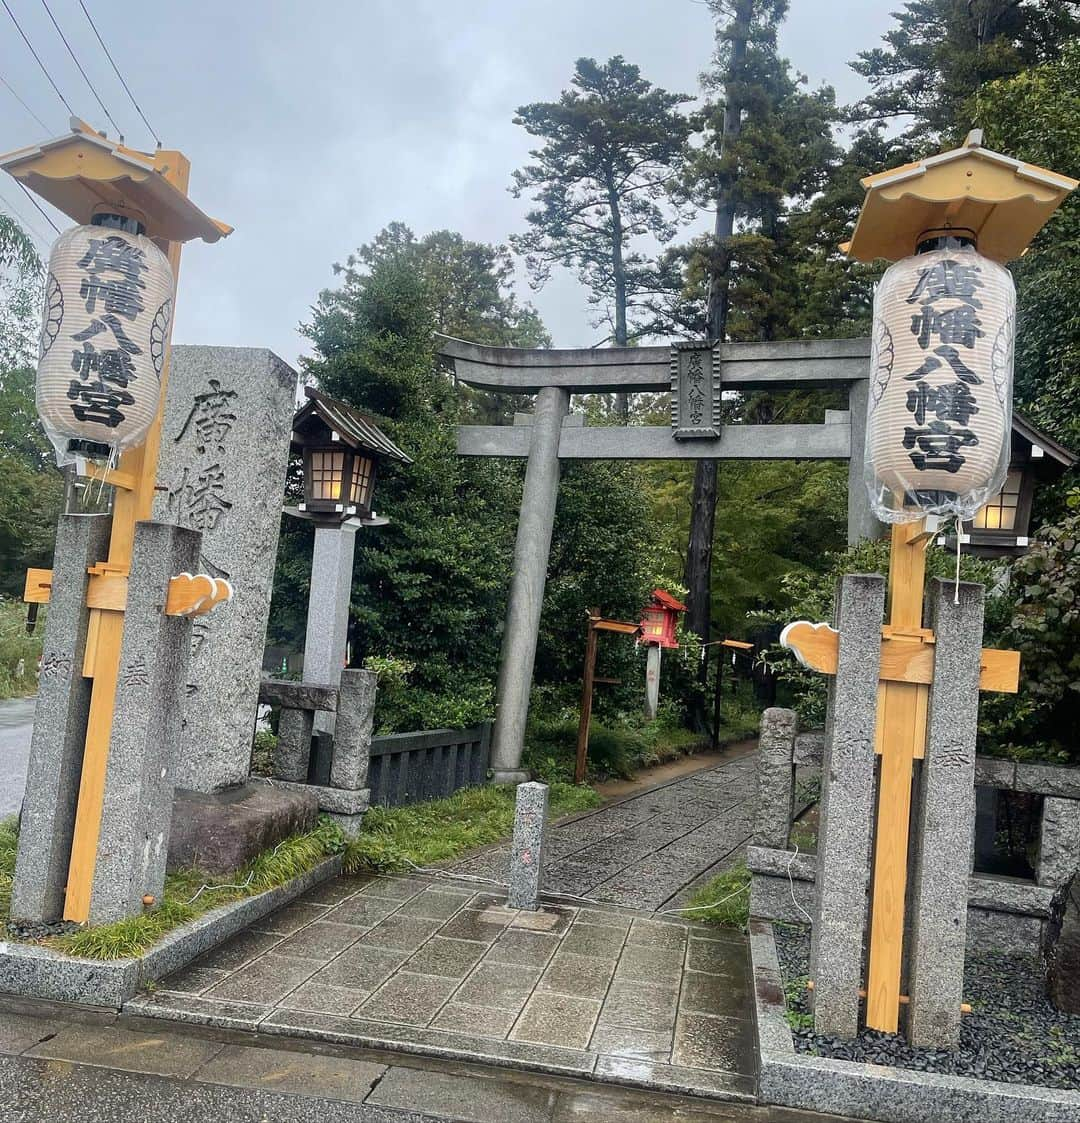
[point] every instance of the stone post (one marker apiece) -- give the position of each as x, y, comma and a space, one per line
652, 680
146, 731
1059, 841
776, 778
292, 753
861, 522
527, 851
531, 551
56, 747
847, 808
224, 451
945, 819
328, 610
352, 739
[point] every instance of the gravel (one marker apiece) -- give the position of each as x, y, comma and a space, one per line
1013, 1033
25, 930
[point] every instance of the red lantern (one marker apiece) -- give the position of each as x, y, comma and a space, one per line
659, 619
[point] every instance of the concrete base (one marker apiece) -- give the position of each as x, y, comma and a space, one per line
223, 831
510, 776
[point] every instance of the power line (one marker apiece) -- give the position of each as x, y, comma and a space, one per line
7, 85
43, 214
37, 58
63, 37
127, 89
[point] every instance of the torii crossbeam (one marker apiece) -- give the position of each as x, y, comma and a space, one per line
695, 374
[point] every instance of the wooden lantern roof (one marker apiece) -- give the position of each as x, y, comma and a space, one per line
84, 173
1002, 201
666, 600
353, 428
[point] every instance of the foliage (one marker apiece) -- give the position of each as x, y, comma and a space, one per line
17, 647
724, 900
188, 893
810, 597
941, 51
1040, 722
1036, 117
610, 144
401, 838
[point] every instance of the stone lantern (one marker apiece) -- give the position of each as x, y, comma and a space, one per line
341, 449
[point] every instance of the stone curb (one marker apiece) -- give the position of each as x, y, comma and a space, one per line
878, 1092
32, 971
367, 1034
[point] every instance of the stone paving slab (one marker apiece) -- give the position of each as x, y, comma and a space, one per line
648, 851
661, 1002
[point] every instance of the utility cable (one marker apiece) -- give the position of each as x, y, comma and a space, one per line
37, 58
8, 87
63, 38
43, 214
127, 88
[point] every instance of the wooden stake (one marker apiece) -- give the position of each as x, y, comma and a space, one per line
586, 699
900, 738
107, 626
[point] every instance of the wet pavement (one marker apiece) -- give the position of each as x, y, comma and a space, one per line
435, 966
16, 725
59, 1063
651, 850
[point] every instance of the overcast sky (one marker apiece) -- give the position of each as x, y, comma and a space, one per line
311, 124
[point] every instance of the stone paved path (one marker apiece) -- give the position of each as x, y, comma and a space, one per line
648, 851
58, 1063
434, 966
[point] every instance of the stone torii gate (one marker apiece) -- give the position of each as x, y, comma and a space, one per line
695, 374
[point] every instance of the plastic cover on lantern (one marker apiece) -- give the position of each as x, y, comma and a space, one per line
939, 415
108, 303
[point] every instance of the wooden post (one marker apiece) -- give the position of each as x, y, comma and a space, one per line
586, 698
900, 740
106, 630
720, 653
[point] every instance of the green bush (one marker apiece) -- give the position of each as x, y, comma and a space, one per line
1040, 721
17, 647
810, 597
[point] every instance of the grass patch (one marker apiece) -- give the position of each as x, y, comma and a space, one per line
397, 838
18, 651
9, 840
188, 893
724, 900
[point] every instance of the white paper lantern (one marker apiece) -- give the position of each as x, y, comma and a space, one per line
108, 303
940, 411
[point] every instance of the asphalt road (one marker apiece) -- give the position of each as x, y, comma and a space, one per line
16, 723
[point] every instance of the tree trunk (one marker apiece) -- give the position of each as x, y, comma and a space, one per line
703, 503
618, 270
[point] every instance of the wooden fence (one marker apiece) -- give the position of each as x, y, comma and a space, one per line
410, 767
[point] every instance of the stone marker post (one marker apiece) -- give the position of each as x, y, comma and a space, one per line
847, 808
47, 823
224, 452
944, 818
527, 851
146, 732
775, 794
355, 720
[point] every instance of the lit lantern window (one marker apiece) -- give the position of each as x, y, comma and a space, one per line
342, 449
1000, 512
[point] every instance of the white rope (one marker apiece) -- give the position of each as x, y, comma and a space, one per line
791, 887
